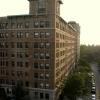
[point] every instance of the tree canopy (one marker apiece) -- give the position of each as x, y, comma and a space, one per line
73, 87
78, 83
2, 93
90, 53
19, 92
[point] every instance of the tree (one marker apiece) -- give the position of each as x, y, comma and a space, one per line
98, 62
90, 53
73, 87
19, 92
84, 66
3, 95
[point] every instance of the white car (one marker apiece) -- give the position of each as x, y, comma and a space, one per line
93, 87
93, 90
93, 97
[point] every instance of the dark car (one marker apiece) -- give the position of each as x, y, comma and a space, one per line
93, 91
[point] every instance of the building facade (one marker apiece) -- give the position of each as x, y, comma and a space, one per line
39, 50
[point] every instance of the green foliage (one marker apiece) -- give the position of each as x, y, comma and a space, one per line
73, 87
19, 92
2, 94
90, 53
83, 62
78, 84
98, 62
84, 66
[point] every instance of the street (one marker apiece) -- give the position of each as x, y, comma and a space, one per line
97, 79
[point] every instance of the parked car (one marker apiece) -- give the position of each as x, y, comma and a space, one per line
92, 74
93, 90
93, 84
93, 97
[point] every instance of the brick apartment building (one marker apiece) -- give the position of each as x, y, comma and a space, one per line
39, 49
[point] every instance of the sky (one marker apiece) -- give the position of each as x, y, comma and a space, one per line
84, 12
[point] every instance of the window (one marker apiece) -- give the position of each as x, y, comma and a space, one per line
42, 66
36, 24
12, 55
36, 45
47, 45
20, 64
47, 23
47, 76
6, 44
47, 56
57, 44
8, 91
26, 35
41, 85
4, 25
13, 63
41, 96
26, 73
6, 63
42, 45
19, 45
2, 45
36, 94
13, 25
47, 86
19, 25
47, 65
36, 34
57, 35
13, 82
19, 35
42, 24
26, 45
35, 55
20, 82
7, 73
27, 25
42, 6
3, 35
57, 25
12, 44
42, 55
35, 75
42, 34
41, 76
47, 35
3, 54
19, 54
6, 54
19, 73
26, 54
12, 73
27, 84
35, 85
47, 96
6, 81
35, 65
26, 64
12, 34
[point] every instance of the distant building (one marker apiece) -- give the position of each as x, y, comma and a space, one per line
39, 50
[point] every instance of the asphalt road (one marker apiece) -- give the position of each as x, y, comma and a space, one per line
97, 79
